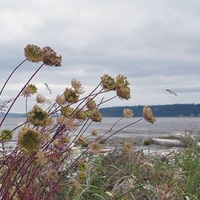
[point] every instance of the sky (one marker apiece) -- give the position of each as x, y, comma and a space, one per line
155, 44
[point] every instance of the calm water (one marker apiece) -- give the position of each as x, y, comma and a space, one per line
162, 127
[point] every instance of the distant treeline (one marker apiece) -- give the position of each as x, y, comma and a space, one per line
174, 110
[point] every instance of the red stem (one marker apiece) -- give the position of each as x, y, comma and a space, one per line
20, 94
10, 76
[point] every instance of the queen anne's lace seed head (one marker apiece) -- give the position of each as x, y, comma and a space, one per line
71, 96
108, 82
128, 113
148, 115
40, 98
50, 57
95, 147
37, 116
77, 86
29, 90
33, 53
95, 115
122, 87
91, 105
29, 140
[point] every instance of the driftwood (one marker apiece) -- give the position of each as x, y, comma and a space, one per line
168, 142
176, 140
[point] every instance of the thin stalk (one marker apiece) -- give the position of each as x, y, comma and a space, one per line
20, 94
10, 76
119, 129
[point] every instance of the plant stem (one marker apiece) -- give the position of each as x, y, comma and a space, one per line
10, 76
20, 94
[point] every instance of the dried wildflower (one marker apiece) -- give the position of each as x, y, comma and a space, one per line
41, 158
77, 185
148, 115
123, 90
29, 90
50, 57
128, 147
94, 132
77, 86
128, 113
95, 147
40, 98
96, 116
71, 96
108, 82
80, 114
66, 111
37, 116
29, 140
6, 134
60, 100
82, 165
91, 105
33, 53
52, 174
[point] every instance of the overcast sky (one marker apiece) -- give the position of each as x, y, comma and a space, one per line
155, 44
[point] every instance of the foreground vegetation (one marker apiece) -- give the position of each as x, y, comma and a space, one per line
126, 174
54, 160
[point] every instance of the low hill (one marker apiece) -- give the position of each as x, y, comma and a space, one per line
174, 110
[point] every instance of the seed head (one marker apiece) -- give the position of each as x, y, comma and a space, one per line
66, 111
52, 174
50, 57
95, 147
108, 82
82, 165
94, 132
122, 87
80, 114
95, 115
40, 98
148, 115
33, 53
71, 96
37, 116
29, 90
29, 140
128, 113
6, 134
91, 105
77, 86
128, 147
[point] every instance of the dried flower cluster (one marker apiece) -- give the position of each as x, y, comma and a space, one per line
29, 140
148, 115
37, 116
49, 57
121, 85
53, 138
128, 113
29, 90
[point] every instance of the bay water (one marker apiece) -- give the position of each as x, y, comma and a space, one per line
162, 127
